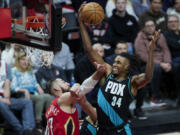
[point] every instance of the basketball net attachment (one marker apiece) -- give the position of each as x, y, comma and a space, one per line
38, 58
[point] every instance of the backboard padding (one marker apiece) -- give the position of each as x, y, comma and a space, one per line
5, 23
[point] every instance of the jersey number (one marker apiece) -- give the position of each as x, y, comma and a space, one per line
116, 101
49, 127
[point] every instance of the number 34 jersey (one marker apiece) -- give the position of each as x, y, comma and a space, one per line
60, 122
113, 101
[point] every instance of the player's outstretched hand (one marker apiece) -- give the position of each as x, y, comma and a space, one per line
154, 39
101, 68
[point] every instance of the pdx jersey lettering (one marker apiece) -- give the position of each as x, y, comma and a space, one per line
117, 92
115, 88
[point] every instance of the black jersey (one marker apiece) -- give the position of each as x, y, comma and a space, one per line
114, 98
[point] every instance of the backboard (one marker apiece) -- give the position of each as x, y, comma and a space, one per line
35, 23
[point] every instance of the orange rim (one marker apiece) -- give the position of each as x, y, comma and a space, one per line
35, 22
35, 25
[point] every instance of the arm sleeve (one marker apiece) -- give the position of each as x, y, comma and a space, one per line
87, 86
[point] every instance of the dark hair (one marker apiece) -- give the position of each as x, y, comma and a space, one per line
121, 42
49, 85
146, 19
2, 46
134, 63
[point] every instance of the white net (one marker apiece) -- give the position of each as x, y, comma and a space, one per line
36, 56
39, 57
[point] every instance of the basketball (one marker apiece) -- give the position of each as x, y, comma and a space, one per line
92, 13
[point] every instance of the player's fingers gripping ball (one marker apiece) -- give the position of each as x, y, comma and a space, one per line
92, 13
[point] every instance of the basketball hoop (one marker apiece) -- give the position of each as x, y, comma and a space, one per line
35, 27
35, 32
36, 24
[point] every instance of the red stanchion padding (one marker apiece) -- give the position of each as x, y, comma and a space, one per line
5, 23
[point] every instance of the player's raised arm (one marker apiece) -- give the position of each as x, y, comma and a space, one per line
93, 56
139, 81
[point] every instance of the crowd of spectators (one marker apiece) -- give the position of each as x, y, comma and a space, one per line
127, 27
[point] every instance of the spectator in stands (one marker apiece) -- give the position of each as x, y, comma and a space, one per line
172, 36
53, 72
110, 6
156, 13
122, 26
10, 52
120, 48
175, 10
64, 59
8, 104
140, 6
24, 81
162, 57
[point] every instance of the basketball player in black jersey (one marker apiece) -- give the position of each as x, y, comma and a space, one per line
118, 87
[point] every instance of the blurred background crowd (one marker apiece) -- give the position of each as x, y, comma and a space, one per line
127, 27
